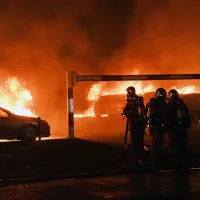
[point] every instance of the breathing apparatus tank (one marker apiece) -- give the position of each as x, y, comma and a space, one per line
150, 111
140, 107
180, 113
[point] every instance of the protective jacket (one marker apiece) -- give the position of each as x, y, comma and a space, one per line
179, 115
135, 112
157, 114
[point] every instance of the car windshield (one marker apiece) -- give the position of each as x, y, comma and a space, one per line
6, 111
113, 98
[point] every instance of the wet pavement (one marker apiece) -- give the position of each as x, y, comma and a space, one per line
185, 185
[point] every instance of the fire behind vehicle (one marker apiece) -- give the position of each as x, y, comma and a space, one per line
21, 127
113, 104
192, 101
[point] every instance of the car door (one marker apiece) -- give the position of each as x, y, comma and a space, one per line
5, 130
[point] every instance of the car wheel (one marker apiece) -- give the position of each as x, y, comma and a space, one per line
29, 134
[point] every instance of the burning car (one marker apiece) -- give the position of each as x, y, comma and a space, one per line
22, 128
110, 105
113, 104
192, 100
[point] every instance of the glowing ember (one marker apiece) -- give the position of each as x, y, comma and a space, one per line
15, 98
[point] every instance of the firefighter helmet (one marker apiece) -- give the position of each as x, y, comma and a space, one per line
173, 95
160, 93
130, 92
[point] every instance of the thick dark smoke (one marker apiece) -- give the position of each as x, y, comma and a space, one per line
40, 39
163, 38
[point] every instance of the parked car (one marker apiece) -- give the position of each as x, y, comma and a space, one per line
21, 127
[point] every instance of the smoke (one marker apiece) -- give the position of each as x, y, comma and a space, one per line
162, 38
40, 39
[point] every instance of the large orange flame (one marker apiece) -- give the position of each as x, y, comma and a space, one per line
15, 98
101, 89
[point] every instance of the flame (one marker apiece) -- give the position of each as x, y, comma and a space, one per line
95, 91
185, 90
89, 112
15, 98
100, 89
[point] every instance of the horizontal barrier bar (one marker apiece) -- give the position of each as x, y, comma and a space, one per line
137, 77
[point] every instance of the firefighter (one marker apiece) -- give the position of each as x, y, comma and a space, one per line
180, 122
157, 117
135, 113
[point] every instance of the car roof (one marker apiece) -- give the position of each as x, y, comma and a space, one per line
117, 98
5, 110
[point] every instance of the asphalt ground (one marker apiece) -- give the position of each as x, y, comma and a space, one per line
101, 146
159, 185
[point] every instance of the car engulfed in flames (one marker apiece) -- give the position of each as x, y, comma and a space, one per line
112, 105
109, 99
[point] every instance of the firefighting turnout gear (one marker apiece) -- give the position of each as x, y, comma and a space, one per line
135, 110
135, 114
137, 141
179, 114
157, 116
179, 123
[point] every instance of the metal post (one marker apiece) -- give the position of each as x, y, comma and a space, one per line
70, 113
71, 82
